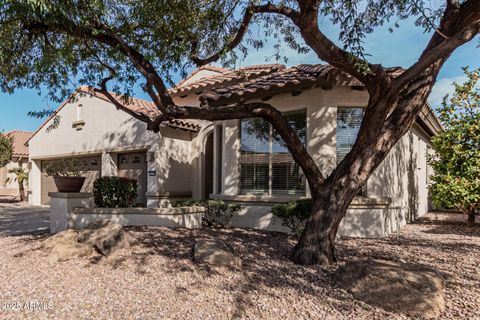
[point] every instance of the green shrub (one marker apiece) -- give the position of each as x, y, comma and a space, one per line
217, 212
293, 214
114, 192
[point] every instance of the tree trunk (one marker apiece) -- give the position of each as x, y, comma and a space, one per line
21, 190
471, 218
317, 242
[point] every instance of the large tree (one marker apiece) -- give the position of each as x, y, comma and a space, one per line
48, 42
456, 158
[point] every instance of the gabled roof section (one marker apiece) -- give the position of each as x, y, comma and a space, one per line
19, 140
197, 72
136, 105
228, 78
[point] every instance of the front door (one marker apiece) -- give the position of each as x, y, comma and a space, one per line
133, 165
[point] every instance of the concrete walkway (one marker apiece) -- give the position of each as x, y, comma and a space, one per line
20, 218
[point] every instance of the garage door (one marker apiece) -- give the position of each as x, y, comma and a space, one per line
92, 165
134, 166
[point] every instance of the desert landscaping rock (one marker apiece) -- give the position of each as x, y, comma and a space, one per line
396, 287
157, 278
64, 246
105, 236
215, 253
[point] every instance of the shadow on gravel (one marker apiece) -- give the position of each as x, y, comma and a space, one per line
9, 200
456, 225
265, 263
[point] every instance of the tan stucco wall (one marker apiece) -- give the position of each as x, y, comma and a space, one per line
108, 130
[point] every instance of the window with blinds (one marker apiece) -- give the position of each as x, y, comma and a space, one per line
266, 165
348, 125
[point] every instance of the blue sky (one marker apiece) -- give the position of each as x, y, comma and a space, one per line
400, 48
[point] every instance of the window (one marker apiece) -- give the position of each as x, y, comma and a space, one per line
136, 159
266, 165
348, 125
123, 160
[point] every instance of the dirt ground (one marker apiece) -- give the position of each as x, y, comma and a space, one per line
158, 280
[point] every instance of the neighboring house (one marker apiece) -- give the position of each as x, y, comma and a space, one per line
8, 184
241, 160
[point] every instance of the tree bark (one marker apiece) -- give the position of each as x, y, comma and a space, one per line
21, 190
471, 218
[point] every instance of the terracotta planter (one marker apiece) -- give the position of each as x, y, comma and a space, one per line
69, 184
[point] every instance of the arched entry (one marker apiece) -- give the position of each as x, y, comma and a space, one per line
208, 167
203, 177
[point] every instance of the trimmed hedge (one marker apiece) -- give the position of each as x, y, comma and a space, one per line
217, 212
114, 192
293, 214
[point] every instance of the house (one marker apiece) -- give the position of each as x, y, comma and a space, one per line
8, 184
240, 160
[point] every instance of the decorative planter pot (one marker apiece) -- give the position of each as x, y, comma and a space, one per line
69, 184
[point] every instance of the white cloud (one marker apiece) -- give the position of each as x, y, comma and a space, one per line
441, 88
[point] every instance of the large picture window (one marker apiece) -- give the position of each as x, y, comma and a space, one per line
348, 125
266, 165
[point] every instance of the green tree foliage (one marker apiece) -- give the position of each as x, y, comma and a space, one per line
6, 149
456, 163
51, 43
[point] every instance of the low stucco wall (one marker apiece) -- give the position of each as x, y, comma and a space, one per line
257, 216
190, 218
75, 210
366, 217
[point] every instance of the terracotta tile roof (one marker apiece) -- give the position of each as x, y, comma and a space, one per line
19, 140
227, 78
299, 77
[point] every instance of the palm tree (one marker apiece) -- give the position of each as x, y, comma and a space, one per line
21, 176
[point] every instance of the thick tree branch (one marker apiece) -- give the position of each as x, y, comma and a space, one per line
103, 90
460, 24
103, 35
240, 33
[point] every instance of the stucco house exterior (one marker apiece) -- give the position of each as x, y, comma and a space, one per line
240, 160
8, 184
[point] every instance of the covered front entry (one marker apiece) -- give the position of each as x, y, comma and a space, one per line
133, 165
93, 171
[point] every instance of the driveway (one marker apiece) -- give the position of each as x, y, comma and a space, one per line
20, 218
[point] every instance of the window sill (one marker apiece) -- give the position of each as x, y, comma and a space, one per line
358, 202
257, 198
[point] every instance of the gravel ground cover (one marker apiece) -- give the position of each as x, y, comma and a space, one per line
158, 280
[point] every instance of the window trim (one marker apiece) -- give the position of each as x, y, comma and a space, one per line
270, 192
